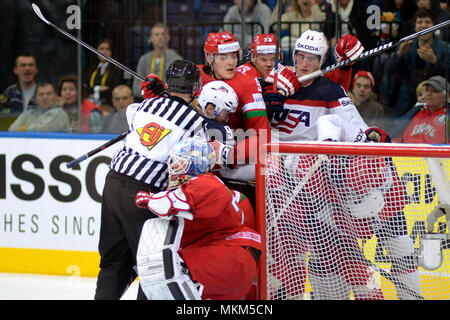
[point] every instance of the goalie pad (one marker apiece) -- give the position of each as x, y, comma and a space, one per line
162, 275
404, 270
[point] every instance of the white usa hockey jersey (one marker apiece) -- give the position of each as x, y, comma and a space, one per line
299, 120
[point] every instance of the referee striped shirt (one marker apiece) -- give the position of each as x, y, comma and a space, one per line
156, 126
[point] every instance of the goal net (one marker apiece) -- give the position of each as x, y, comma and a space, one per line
354, 221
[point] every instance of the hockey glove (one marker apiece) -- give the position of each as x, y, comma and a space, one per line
377, 135
287, 80
274, 101
165, 204
153, 87
224, 155
348, 47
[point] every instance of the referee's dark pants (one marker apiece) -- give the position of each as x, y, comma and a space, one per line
120, 229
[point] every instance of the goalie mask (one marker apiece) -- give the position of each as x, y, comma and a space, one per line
220, 95
190, 158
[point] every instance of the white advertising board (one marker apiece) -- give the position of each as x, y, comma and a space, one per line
44, 205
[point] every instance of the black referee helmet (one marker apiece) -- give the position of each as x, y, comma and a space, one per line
183, 76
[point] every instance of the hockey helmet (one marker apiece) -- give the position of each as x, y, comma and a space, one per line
367, 180
314, 42
190, 157
221, 43
220, 95
183, 76
264, 44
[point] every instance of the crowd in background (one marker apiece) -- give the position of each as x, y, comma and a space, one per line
387, 89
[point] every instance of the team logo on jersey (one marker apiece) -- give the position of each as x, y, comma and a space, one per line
440, 120
151, 134
345, 101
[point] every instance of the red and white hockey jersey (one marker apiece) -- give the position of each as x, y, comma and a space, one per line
249, 69
220, 214
251, 111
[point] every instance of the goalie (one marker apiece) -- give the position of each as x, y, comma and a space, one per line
202, 244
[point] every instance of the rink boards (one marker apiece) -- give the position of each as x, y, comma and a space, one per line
50, 215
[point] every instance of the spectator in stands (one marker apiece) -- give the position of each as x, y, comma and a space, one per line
48, 116
20, 96
116, 122
429, 123
365, 101
330, 21
255, 12
155, 61
103, 76
417, 60
396, 24
438, 13
346, 10
305, 11
420, 93
444, 5
402, 12
90, 114
286, 6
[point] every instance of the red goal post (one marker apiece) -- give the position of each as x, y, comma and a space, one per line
348, 221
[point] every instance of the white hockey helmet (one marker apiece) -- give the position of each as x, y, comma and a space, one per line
367, 179
220, 95
314, 42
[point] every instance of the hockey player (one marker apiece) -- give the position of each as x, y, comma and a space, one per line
156, 126
359, 197
262, 56
201, 246
222, 52
297, 121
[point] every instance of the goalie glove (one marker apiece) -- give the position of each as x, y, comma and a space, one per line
287, 80
153, 87
348, 47
433, 216
377, 135
165, 204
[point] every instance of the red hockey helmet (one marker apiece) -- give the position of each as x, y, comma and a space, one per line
221, 43
264, 44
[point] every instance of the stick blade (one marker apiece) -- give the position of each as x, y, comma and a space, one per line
39, 13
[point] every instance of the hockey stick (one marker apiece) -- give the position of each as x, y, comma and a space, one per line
320, 158
73, 163
277, 49
385, 274
373, 52
109, 59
